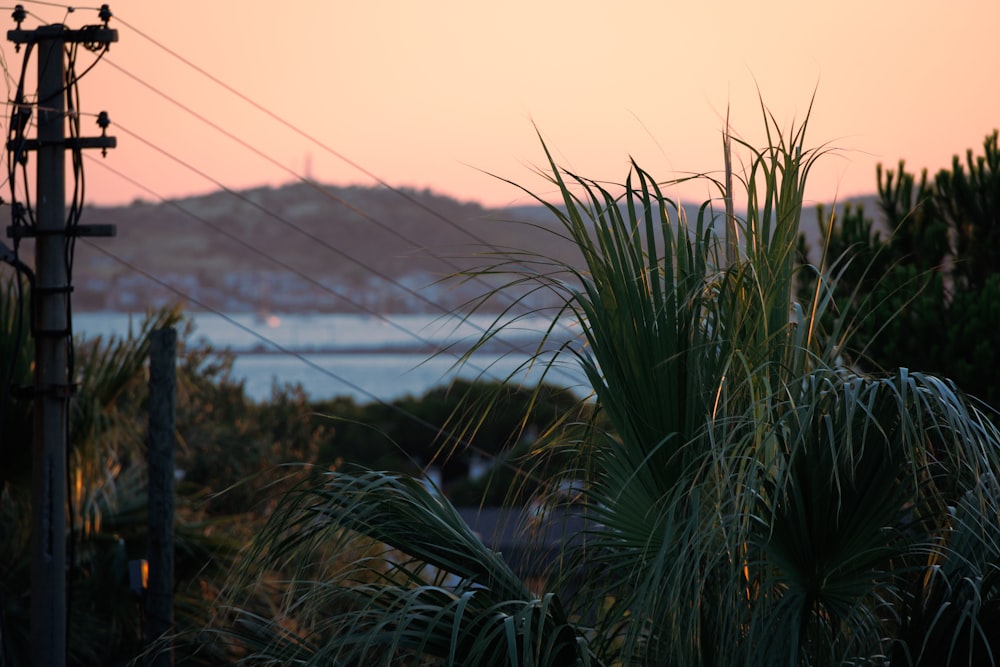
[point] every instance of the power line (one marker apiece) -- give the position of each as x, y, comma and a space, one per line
325, 192
412, 200
514, 302
234, 322
278, 218
271, 214
312, 237
288, 223
69, 8
439, 431
262, 253
302, 133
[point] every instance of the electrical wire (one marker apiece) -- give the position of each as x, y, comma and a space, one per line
17, 156
263, 155
278, 218
277, 118
440, 432
235, 238
435, 306
413, 293
305, 135
325, 192
69, 8
17, 159
254, 249
312, 139
8, 77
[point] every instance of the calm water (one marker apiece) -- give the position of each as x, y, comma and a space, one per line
365, 357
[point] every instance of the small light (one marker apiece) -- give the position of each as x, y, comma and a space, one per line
138, 576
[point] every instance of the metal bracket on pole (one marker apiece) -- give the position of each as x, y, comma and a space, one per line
21, 231
81, 142
91, 34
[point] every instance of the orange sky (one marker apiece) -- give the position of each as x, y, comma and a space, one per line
435, 93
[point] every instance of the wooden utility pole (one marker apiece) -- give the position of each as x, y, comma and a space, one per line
52, 386
159, 597
51, 326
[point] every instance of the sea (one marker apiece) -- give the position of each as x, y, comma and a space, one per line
366, 357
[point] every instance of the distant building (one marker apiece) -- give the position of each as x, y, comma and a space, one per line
528, 539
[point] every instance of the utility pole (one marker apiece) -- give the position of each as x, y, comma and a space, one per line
51, 320
159, 598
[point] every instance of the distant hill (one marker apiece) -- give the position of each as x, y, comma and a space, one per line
306, 247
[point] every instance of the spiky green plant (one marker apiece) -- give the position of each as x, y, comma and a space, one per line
750, 499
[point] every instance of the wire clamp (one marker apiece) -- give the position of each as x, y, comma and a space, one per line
18, 15
103, 121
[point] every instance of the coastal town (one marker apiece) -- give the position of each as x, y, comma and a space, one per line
303, 248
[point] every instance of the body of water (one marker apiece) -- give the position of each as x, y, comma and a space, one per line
365, 357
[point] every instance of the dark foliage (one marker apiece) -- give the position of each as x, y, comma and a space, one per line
920, 285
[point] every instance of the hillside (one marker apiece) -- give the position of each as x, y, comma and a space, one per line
304, 248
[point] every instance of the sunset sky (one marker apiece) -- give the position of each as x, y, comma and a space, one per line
442, 93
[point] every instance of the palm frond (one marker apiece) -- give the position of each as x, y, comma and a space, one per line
425, 585
749, 497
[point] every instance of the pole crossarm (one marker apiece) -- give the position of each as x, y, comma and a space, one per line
92, 34
24, 231
68, 143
